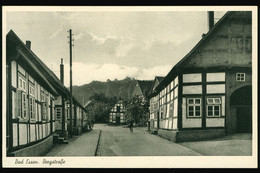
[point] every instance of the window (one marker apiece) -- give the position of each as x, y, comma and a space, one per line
114, 118
32, 108
118, 109
240, 77
161, 112
22, 98
213, 107
31, 102
171, 109
194, 107
22, 84
58, 113
31, 90
43, 105
24, 106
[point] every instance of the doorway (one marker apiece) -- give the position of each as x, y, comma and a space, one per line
241, 100
244, 119
117, 120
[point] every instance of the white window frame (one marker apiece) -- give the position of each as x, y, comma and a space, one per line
194, 105
22, 84
239, 77
31, 90
214, 104
32, 108
24, 103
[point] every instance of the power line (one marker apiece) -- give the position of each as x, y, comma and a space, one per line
62, 22
66, 19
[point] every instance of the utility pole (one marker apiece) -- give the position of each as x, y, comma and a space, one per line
63, 100
71, 99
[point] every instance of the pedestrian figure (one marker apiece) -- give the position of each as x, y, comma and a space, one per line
131, 126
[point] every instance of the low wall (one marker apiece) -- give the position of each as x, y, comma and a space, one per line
191, 135
38, 149
166, 134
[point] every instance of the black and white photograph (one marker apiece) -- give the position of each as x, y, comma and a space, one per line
129, 87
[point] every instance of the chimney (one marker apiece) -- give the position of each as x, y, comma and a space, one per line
28, 44
62, 71
210, 19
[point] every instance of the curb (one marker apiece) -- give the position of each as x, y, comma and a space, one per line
97, 143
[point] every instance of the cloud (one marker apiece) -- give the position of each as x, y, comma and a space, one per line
100, 40
124, 47
78, 37
86, 73
56, 32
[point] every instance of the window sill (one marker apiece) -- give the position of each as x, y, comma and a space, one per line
22, 120
215, 117
194, 117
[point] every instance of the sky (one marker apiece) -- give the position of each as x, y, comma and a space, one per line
110, 44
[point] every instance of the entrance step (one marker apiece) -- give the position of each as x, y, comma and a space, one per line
60, 140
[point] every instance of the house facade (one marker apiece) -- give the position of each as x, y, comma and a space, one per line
34, 97
117, 114
209, 92
142, 89
79, 117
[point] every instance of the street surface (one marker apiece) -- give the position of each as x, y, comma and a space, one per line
118, 141
239, 144
83, 145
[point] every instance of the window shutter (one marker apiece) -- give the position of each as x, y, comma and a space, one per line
18, 100
34, 108
26, 107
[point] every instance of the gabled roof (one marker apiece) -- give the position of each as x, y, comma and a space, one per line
38, 62
145, 86
158, 79
88, 103
50, 78
174, 71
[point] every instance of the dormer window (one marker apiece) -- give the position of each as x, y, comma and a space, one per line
240, 77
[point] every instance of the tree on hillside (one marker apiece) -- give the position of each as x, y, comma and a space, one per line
137, 110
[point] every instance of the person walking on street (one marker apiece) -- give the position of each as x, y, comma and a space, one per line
131, 126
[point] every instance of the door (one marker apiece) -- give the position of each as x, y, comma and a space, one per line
241, 100
117, 120
244, 119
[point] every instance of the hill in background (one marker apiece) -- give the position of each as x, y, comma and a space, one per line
117, 88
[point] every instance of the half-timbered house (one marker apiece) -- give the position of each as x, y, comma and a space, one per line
79, 117
117, 114
208, 93
33, 96
154, 105
142, 89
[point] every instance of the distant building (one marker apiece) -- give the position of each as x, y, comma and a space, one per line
34, 106
153, 103
142, 89
117, 114
209, 92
